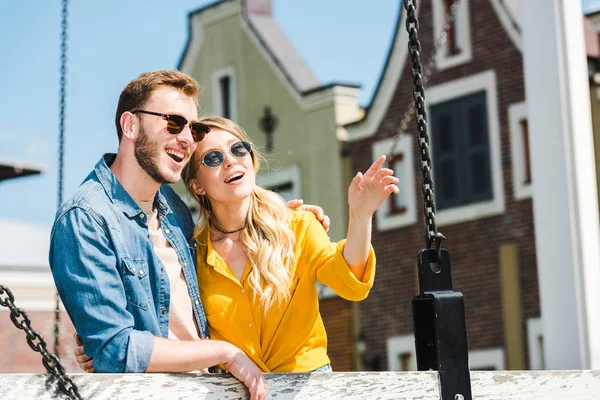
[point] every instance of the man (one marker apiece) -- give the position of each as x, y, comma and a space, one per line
122, 252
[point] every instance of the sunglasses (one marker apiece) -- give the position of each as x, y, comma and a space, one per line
214, 158
176, 123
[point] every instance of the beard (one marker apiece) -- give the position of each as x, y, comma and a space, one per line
147, 154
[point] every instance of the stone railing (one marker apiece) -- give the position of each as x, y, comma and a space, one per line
486, 385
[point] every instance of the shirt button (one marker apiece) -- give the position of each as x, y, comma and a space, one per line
148, 236
167, 231
163, 311
250, 325
141, 273
243, 291
133, 269
185, 264
196, 302
162, 269
142, 215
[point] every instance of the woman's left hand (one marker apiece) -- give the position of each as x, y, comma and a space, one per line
368, 191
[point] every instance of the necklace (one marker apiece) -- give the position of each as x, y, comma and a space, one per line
224, 231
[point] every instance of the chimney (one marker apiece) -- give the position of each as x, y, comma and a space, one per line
257, 7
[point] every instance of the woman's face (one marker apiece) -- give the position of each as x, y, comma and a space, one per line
234, 178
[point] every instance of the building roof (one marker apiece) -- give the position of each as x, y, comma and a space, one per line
14, 169
24, 245
258, 16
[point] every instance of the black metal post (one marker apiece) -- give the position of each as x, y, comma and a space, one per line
439, 325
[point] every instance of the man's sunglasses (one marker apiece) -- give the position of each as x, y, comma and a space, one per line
176, 123
214, 158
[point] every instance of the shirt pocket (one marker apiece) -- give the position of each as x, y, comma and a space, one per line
135, 281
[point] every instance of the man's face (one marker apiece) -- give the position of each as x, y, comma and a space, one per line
163, 155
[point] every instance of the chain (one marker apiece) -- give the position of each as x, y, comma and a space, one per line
414, 48
61, 147
37, 343
429, 68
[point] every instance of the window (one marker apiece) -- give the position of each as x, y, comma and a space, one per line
453, 34
285, 181
401, 208
465, 148
458, 37
520, 152
224, 93
461, 167
401, 353
397, 202
486, 360
535, 344
285, 190
225, 88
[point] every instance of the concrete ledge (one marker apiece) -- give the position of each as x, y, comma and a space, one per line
488, 385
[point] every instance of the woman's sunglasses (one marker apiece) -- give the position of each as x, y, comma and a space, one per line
214, 158
176, 123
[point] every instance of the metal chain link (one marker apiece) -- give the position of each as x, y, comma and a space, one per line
429, 68
61, 147
37, 343
414, 47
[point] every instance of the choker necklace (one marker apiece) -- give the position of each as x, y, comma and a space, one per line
224, 231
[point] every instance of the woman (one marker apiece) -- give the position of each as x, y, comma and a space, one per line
258, 261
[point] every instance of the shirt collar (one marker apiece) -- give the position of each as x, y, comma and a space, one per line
117, 193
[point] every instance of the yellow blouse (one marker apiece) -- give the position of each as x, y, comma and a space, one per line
291, 337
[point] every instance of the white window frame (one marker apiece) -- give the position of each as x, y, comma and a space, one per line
385, 220
455, 89
397, 345
444, 60
516, 113
482, 358
289, 174
536, 355
228, 71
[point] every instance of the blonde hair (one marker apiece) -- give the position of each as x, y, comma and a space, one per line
267, 240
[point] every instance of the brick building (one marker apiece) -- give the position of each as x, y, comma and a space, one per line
477, 117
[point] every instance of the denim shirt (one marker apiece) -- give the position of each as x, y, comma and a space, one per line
113, 286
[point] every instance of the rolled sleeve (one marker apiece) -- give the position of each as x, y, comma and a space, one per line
86, 274
336, 274
139, 351
325, 261
354, 288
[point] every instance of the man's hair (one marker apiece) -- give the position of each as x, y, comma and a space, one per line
137, 92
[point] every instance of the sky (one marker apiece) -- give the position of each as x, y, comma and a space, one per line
111, 42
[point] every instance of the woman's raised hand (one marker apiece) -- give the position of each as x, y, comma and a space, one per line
368, 191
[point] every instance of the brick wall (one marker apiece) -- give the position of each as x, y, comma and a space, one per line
473, 245
17, 356
337, 317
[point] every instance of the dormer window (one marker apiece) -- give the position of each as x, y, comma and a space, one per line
224, 93
453, 35
457, 49
225, 89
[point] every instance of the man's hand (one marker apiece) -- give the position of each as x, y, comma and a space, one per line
246, 371
84, 361
297, 204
